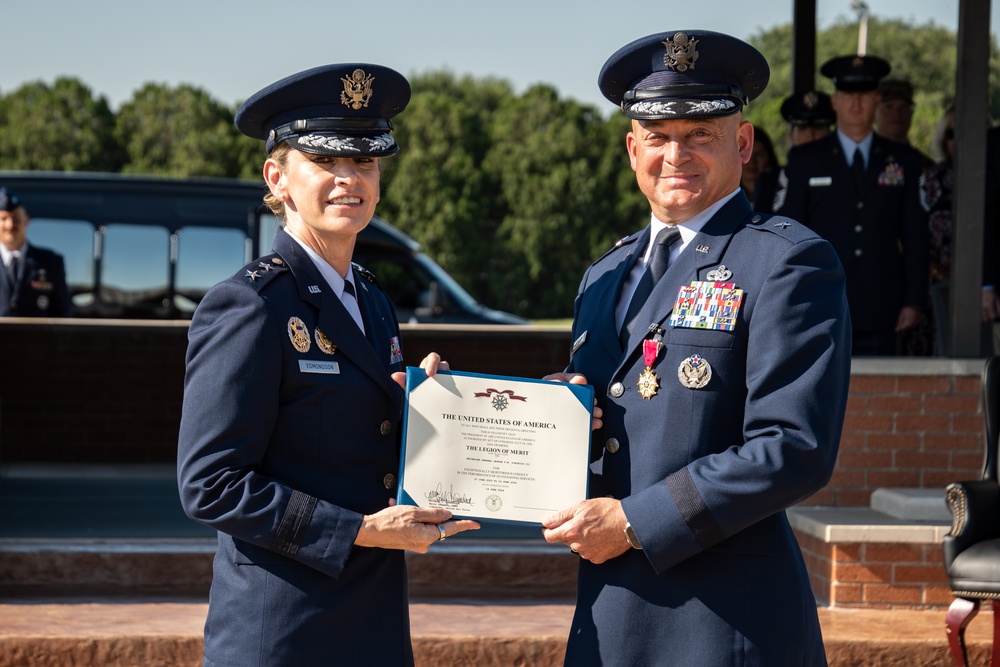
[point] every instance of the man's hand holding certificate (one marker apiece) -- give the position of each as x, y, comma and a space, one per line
494, 448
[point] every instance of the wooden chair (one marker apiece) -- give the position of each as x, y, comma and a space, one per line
972, 547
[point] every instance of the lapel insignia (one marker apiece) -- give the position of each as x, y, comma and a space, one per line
298, 334
313, 289
702, 248
720, 275
578, 342
323, 343
694, 372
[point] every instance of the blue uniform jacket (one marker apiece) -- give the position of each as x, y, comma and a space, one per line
40, 289
289, 435
880, 232
704, 475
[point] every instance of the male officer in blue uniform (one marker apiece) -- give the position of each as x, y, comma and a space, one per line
861, 192
723, 395
289, 438
33, 279
809, 116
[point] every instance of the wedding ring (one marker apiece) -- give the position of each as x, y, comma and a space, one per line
443, 534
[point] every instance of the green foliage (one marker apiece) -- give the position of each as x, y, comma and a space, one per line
62, 127
178, 131
514, 195
435, 188
549, 157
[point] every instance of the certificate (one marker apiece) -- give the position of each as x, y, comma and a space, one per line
494, 448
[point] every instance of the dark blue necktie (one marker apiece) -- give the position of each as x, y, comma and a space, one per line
12, 269
858, 167
657, 266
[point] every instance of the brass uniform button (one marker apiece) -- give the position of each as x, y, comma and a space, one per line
385, 428
389, 480
617, 389
612, 445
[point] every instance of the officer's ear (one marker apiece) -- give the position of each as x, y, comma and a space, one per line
744, 140
274, 176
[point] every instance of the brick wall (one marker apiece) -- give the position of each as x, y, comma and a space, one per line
909, 423
876, 574
100, 391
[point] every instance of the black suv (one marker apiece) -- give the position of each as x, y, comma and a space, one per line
144, 247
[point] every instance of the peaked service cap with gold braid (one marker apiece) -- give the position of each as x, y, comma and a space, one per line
342, 110
684, 74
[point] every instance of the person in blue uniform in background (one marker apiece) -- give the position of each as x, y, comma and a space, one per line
809, 115
861, 192
33, 279
290, 431
718, 342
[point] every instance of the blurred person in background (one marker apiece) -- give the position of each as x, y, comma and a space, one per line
33, 280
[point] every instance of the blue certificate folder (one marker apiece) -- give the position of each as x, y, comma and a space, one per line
494, 448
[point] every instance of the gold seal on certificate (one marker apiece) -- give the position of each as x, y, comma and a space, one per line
494, 448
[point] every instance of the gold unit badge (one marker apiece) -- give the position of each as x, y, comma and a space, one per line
357, 89
682, 52
298, 334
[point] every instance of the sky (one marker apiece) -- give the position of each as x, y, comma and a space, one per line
233, 49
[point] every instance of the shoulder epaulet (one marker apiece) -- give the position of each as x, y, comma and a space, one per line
262, 271
366, 274
780, 225
625, 240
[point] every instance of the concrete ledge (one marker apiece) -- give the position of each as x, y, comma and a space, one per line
916, 366
862, 524
911, 504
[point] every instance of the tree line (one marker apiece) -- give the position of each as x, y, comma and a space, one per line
513, 194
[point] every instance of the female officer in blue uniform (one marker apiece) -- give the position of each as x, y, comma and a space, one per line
289, 438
